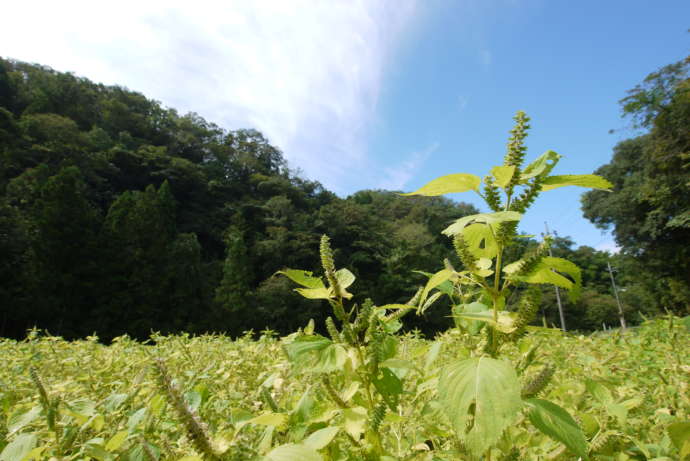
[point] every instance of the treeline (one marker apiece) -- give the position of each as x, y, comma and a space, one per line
118, 215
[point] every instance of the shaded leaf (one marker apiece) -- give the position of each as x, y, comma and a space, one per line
555, 422
293, 452
481, 396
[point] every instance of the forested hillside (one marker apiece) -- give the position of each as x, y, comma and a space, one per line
118, 215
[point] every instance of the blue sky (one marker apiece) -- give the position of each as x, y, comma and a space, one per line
379, 94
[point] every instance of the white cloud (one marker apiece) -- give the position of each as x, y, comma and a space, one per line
609, 246
396, 178
307, 73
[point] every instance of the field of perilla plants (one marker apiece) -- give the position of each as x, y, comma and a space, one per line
210, 397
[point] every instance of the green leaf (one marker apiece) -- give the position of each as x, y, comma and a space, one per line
480, 240
481, 396
546, 271
315, 293
600, 392
486, 218
504, 323
269, 419
316, 353
321, 438
449, 184
545, 162
555, 422
680, 436
434, 281
345, 278
19, 448
389, 386
473, 326
354, 421
293, 452
503, 175
304, 278
583, 180
116, 441
19, 420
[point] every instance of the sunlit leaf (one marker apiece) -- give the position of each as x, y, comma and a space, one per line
434, 281
503, 174
591, 181
487, 218
316, 354
315, 293
545, 162
321, 438
449, 184
293, 452
355, 419
304, 278
19, 448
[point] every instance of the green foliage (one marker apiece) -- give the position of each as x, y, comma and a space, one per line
482, 397
648, 209
111, 402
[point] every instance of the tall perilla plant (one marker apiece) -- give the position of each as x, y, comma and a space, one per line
481, 394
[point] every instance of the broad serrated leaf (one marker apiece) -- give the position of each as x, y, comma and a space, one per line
304, 278
480, 240
503, 174
591, 181
315, 293
345, 277
545, 162
293, 452
449, 184
19, 448
116, 441
316, 354
321, 438
19, 420
600, 392
680, 436
481, 396
473, 326
486, 218
389, 386
269, 419
546, 271
354, 421
505, 321
555, 422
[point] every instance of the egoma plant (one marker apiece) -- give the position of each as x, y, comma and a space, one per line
480, 393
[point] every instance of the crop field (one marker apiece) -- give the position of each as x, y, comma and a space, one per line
243, 398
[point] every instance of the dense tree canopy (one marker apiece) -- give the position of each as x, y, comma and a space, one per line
649, 208
118, 215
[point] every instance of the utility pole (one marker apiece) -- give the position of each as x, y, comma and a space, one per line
558, 293
615, 292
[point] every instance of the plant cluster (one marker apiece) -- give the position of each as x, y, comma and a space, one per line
365, 391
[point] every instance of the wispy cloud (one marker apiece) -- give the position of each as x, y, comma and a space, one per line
396, 178
307, 73
609, 246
